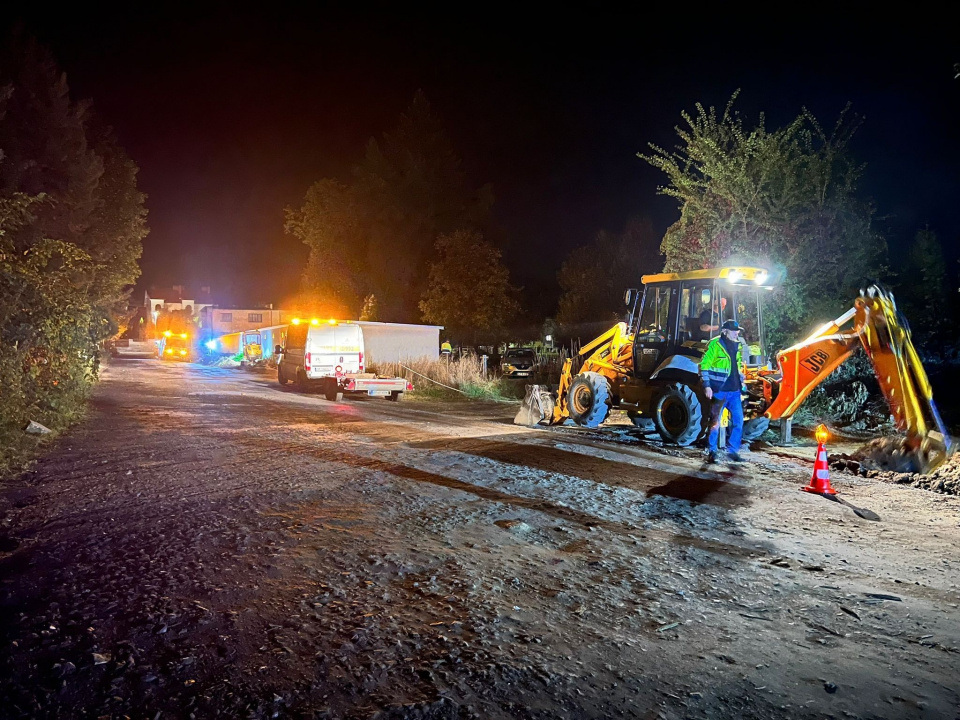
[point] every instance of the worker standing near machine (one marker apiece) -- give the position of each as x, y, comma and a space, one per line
721, 371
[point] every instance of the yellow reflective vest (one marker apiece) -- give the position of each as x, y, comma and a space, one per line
716, 363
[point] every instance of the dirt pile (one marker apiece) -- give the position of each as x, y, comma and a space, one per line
944, 480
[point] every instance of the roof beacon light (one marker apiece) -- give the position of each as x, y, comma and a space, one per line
183, 335
296, 321
761, 277
167, 333
331, 321
315, 321
734, 276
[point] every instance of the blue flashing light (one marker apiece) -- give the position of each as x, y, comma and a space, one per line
211, 344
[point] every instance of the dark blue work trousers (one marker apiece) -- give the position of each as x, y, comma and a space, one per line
734, 403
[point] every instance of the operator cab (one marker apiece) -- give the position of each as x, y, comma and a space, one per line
679, 313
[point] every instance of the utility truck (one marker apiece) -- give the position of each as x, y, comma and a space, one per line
177, 346
329, 355
649, 365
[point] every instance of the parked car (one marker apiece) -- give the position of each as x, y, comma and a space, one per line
518, 363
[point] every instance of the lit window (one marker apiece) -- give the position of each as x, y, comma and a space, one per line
226, 317
255, 317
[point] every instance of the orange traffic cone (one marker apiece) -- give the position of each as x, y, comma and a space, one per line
820, 482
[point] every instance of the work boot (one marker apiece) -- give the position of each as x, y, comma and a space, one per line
711, 457
735, 457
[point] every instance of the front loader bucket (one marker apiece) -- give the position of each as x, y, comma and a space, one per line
537, 406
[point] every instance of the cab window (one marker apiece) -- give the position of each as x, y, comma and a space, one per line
654, 320
701, 310
297, 337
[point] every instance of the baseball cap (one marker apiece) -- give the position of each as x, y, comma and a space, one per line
730, 325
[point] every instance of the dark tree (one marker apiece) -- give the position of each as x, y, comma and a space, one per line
469, 291
71, 226
376, 234
593, 277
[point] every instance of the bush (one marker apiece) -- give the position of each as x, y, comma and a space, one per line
71, 225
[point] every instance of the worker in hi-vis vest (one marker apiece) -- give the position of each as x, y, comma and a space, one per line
721, 371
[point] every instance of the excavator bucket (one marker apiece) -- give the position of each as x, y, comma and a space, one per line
537, 407
907, 454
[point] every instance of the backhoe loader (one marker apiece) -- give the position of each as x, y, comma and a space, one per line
649, 365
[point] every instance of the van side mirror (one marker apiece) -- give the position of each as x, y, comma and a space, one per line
278, 350
628, 297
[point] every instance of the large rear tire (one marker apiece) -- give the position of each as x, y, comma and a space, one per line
588, 400
677, 414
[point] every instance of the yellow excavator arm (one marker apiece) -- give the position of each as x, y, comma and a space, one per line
885, 336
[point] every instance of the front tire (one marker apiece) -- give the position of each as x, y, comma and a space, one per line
588, 399
754, 428
677, 414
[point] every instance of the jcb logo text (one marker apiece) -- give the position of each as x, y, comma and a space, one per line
815, 361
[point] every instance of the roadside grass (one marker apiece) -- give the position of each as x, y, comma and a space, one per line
19, 448
451, 378
53, 394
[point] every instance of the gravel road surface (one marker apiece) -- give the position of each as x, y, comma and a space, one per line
209, 544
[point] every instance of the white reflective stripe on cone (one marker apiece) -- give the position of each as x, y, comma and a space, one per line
823, 456
823, 474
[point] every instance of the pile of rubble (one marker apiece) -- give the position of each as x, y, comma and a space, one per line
944, 480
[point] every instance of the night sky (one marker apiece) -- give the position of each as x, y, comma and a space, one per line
231, 114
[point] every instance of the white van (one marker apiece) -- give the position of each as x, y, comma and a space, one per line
329, 355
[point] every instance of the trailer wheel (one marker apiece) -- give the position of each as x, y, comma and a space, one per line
394, 395
330, 390
677, 414
281, 378
588, 399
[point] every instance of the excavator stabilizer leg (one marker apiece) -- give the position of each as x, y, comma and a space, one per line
537, 407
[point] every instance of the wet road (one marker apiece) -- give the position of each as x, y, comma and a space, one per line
207, 543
